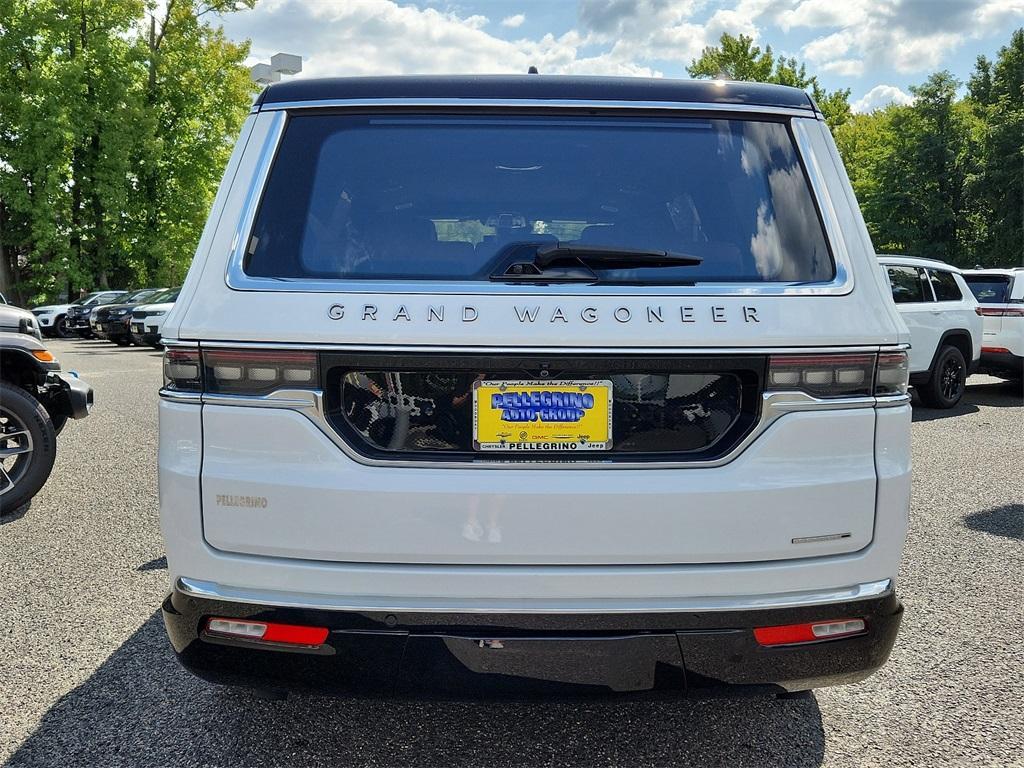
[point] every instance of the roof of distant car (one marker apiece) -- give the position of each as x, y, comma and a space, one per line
915, 261
1008, 271
536, 87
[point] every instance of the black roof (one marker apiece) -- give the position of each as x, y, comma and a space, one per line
536, 87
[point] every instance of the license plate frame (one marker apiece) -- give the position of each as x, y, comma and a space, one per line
526, 421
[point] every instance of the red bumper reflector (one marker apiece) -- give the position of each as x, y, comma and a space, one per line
267, 632
996, 350
792, 634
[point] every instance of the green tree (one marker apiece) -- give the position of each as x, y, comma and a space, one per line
114, 130
914, 169
997, 91
737, 58
196, 94
865, 142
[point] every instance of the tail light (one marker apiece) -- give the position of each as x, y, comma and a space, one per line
183, 370
892, 376
253, 372
811, 632
267, 631
839, 375
239, 371
1000, 311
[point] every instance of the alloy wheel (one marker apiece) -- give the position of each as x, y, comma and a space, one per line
952, 379
15, 451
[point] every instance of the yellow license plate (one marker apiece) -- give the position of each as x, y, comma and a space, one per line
533, 416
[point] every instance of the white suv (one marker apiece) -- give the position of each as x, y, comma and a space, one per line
581, 384
1000, 294
945, 326
148, 319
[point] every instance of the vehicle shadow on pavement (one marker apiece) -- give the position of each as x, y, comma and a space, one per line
14, 514
924, 413
1003, 394
141, 708
1006, 521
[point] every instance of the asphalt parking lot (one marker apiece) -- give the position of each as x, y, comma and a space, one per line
87, 675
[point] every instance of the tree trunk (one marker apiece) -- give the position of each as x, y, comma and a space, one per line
6, 273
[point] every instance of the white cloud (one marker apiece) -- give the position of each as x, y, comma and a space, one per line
844, 67
476, 22
909, 36
735, 22
824, 13
373, 37
995, 15
850, 38
881, 96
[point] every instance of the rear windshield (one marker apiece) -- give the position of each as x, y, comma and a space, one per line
404, 197
989, 289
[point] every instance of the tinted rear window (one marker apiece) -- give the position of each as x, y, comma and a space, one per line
443, 197
989, 289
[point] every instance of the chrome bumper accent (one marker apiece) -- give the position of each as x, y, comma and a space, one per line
310, 403
212, 591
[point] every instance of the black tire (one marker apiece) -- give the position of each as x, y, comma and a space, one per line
60, 327
948, 380
24, 423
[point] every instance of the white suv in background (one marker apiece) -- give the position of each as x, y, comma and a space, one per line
562, 383
148, 319
945, 326
1000, 294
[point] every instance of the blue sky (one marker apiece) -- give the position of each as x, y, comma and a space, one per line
877, 48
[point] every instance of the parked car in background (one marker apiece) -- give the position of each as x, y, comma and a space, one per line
944, 322
36, 400
1000, 294
549, 415
53, 317
112, 321
80, 312
17, 320
148, 319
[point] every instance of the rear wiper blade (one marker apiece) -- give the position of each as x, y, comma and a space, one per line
611, 256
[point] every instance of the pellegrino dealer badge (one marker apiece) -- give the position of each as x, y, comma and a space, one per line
542, 416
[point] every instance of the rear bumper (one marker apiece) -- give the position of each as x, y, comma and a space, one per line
112, 328
428, 654
144, 334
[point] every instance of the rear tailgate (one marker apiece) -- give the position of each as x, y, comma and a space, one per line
273, 484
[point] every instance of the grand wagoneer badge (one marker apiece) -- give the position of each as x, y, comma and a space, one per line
542, 416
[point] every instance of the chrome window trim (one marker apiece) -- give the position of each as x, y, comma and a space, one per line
211, 590
678, 106
236, 278
527, 350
